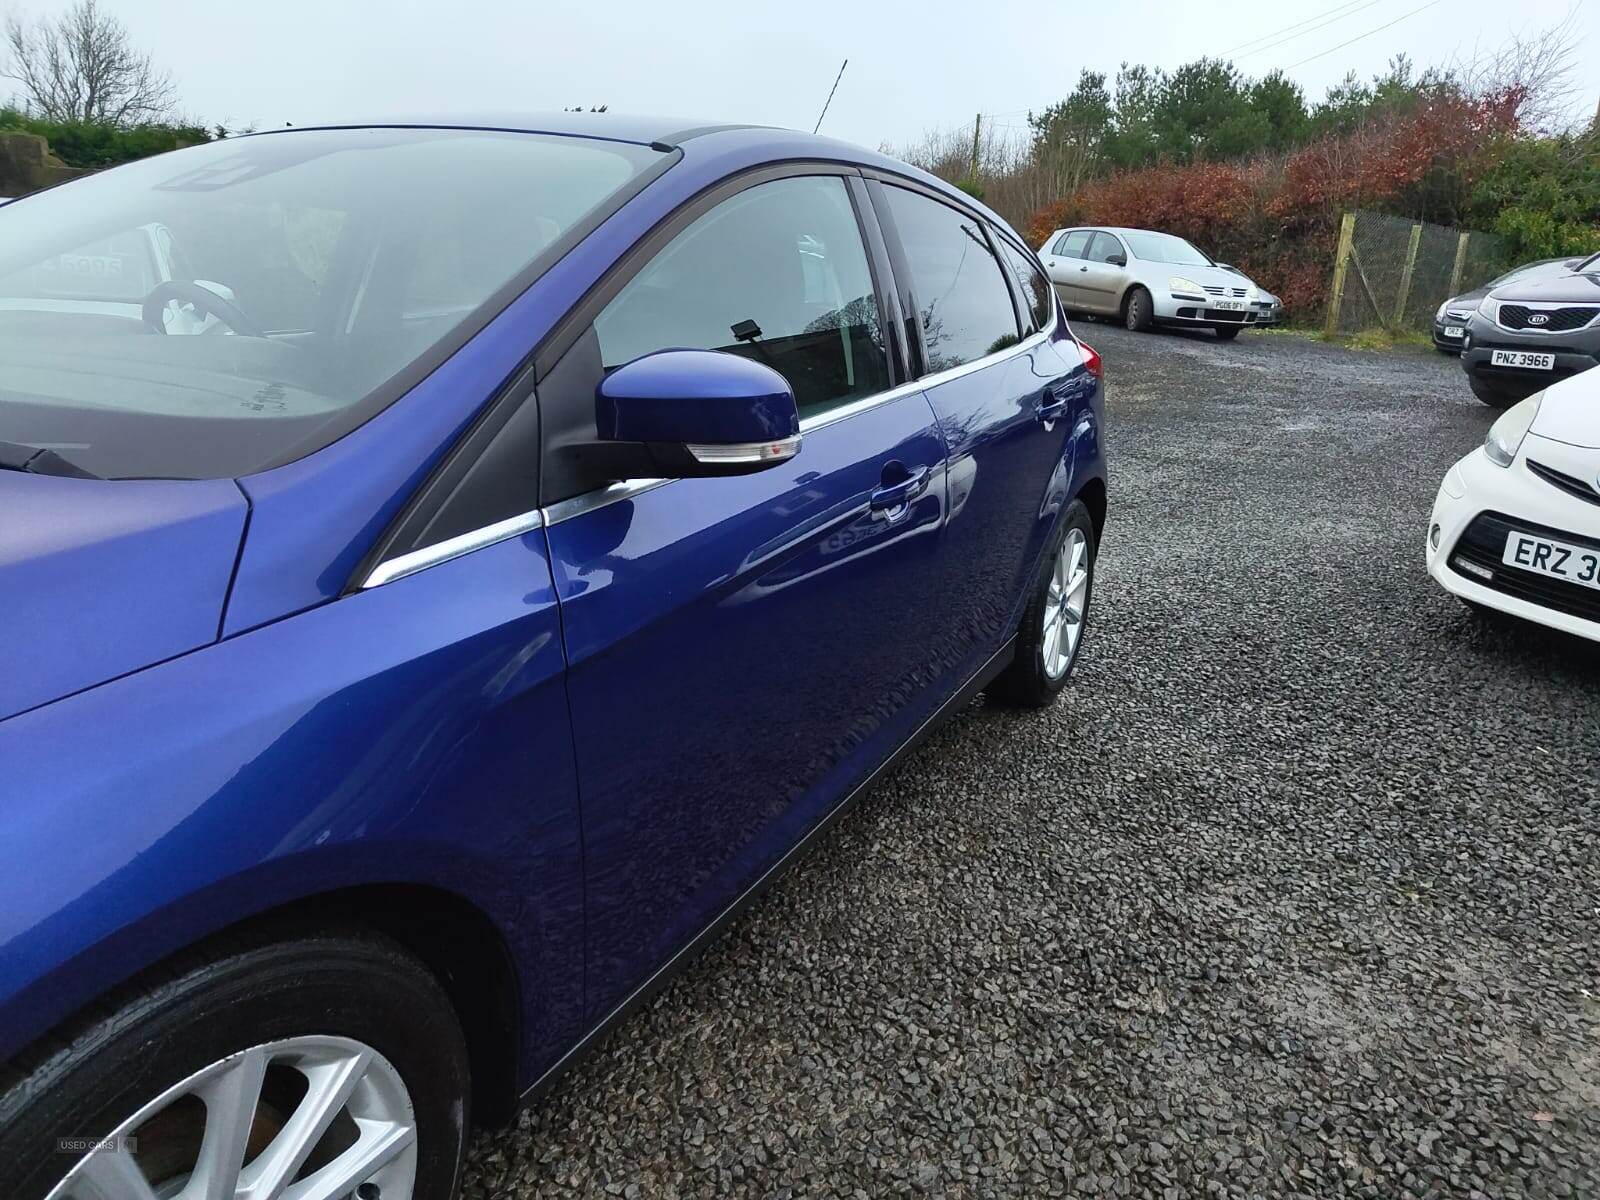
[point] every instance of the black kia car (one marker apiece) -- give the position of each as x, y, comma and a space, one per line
1450, 321
1527, 334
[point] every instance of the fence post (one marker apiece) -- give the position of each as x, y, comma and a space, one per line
1341, 263
1405, 275
1461, 261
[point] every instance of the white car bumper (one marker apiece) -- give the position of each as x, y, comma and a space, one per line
1475, 487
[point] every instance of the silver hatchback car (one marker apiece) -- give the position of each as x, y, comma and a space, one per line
1146, 278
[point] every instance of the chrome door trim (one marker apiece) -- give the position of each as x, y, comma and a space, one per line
627, 489
465, 543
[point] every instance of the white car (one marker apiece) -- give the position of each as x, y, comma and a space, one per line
1516, 525
1145, 278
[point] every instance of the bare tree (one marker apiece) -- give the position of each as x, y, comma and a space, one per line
82, 66
1535, 72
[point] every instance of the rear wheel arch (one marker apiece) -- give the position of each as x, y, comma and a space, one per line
1093, 495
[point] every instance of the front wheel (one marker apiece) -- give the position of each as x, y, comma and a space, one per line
1054, 622
319, 1068
1139, 313
1492, 396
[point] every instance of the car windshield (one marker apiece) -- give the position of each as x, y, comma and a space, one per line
1165, 248
1588, 266
211, 311
1527, 270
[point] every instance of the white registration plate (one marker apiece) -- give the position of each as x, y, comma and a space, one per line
1522, 358
1455, 331
1574, 564
1226, 305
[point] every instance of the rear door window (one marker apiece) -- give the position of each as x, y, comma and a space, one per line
961, 297
1035, 287
1072, 245
778, 274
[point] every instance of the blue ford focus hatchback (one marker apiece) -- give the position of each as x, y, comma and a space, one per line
450, 567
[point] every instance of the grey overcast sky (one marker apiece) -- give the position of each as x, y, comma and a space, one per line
913, 67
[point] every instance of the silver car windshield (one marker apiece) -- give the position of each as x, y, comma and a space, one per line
209, 311
1165, 248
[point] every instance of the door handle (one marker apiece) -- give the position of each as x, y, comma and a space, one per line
890, 496
1052, 407
1083, 268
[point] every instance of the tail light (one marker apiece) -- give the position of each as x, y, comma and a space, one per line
1091, 360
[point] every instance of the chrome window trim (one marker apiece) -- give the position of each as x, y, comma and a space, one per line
627, 489
465, 543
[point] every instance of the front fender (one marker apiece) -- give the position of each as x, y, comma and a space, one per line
412, 733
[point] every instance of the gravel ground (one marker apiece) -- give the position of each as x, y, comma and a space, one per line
1296, 893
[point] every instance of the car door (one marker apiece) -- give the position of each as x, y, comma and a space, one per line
744, 651
1103, 273
1064, 262
1003, 392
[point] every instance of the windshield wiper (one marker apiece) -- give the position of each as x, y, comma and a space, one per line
18, 456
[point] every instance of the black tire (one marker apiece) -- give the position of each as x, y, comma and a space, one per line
1492, 396
97, 1073
1226, 333
1025, 683
1138, 311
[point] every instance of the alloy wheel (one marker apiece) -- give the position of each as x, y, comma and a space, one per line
307, 1118
1065, 604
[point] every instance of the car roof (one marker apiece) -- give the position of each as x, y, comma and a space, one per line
663, 133
620, 127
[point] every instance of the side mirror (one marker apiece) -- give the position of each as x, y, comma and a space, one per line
698, 413
1118, 260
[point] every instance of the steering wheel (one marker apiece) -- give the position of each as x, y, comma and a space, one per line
204, 299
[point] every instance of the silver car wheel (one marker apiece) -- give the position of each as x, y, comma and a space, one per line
1065, 604
348, 1131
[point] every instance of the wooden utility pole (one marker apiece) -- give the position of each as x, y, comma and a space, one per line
1341, 264
977, 126
1405, 275
1461, 262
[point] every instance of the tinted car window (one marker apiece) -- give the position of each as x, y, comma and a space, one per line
961, 295
1035, 287
777, 274
350, 253
1105, 248
1073, 245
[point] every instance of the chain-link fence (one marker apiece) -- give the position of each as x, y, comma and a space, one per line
1392, 273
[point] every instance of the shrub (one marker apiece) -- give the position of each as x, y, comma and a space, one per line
84, 144
1277, 217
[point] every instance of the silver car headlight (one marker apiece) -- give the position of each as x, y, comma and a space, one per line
1489, 308
1439, 313
1252, 293
1187, 287
1506, 435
